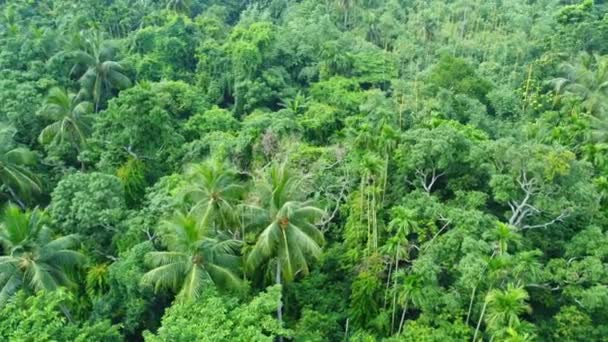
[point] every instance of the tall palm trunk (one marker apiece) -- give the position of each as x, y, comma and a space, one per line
402, 321
280, 306
388, 283
394, 295
483, 311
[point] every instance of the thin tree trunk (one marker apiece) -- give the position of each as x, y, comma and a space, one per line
374, 218
394, 296
483, 311
78, 157
471, 303
280, 306
388, 283
385, 180
346, 330
402, 319
16, 198
475, 289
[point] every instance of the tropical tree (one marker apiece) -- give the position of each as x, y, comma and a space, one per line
15, 176
197, 256
587, 78
70, 118
214, 192
504, 235
398, 247
504, 308
290, 238
32, 258
410, 293
97, 69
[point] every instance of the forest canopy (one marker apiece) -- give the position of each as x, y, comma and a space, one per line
303, 170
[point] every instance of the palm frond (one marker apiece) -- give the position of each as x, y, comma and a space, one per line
39, 277
155, 259
65, 258
192, 285
168, 276
303, 241
265, 246
50, 132
224, 277
12, 284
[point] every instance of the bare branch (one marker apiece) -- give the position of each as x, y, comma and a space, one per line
522, 210
559, 218
107, 256
427, 184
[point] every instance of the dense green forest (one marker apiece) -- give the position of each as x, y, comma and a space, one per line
303, 170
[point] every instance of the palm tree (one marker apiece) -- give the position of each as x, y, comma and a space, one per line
290, 238
504, 308
504, 235
14, 162
214, 192
70, 120
98, 71
587, 79
402, 224
33, 259
196, 256
410, 293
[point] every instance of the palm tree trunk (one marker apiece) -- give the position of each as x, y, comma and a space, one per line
280, 306
483, 311
388, 282
394, 296
78, 157
475, 289
16, 198
346, 330
471, 303
402, 319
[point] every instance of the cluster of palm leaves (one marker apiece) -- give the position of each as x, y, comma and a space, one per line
70, 116
15, 176
96, 68
98, 74
32, 258
587, 79
196, 256
204, 242
69, 113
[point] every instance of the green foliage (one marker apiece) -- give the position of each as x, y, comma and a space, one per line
290, 236
89, 204
132, 175
42, 318
422, 170
33, 259
456, 75
15, 175
214, 317
122, 298
166, 51
197, 256
212, 120
96, 68
70, 120
122, 131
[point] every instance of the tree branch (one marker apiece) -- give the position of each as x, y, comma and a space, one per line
559, 218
